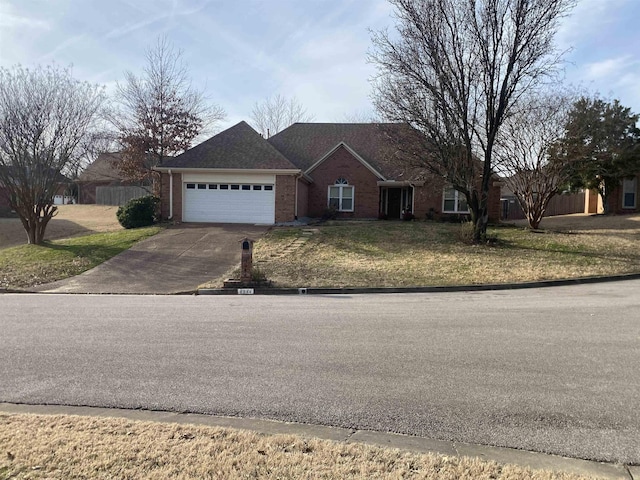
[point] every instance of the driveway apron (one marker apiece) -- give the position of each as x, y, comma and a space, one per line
177, 259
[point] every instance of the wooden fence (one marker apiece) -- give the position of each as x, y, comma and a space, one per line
118, 195
564, 204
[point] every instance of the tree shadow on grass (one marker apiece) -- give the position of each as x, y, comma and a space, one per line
12, 233
96, 252
605, 255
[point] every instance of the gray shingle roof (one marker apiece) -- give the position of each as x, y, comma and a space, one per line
237, 147
102, 169
306, 143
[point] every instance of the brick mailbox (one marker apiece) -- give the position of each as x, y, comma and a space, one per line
246, 261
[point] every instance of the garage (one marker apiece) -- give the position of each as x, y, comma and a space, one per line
229, 199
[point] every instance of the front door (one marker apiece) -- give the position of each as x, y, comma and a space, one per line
394, 203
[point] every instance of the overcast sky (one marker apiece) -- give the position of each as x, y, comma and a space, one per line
242, 51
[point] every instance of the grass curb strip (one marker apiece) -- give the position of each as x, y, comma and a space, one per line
426, 289
532, 460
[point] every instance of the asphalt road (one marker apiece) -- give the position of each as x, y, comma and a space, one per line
555, 370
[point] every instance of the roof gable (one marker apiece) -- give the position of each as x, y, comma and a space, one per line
238, 147
353, 153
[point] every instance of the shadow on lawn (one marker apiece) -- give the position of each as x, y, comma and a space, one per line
96, 251
13, 233
579, 222
570, 250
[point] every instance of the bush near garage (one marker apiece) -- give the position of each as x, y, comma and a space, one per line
139, 212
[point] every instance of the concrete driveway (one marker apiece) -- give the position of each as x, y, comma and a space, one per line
177, 259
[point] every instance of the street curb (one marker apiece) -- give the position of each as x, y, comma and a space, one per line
370, 290
533, 460
426, 289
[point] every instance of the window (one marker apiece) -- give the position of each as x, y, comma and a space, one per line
191, 186
454, 201
224, 187
341, 196
213, 186
629, 186
246, 187
268, 187
257, 187
202, 186
235, 187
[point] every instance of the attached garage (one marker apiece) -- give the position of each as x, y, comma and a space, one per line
248, 198
234, 177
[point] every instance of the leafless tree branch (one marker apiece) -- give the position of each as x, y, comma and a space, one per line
277, 113
46, 118
455, 70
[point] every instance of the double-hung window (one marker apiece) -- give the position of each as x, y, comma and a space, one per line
454, 201
341, 196
629, 189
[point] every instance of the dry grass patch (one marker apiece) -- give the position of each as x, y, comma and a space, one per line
71, 220
384, 254
71, 447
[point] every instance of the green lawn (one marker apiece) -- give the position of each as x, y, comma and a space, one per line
385, 254
29, 265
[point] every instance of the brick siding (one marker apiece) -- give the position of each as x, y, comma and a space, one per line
303, 198
285, 198
177, 197
342, 164
616, 200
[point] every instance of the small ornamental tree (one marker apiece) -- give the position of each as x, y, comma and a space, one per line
46, 120
525, 152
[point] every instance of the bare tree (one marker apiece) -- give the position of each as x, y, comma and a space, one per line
277, 113
454, 71
159, 114
46, 116
525, 151
360, 116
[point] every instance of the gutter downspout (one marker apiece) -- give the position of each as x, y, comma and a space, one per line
170, 195
295, 206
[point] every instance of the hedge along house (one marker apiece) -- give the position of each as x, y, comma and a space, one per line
305, 170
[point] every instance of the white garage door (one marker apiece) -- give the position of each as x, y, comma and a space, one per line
229, 202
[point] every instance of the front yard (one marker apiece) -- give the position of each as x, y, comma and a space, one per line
362, 254
385, 254
29, 265
71, 220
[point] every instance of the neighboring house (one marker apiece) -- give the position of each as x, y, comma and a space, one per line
102, 183
60, 194
305, 170
5, 209
624, 199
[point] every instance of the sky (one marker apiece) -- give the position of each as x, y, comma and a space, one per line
240, 52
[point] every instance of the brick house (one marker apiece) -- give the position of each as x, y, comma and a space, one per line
305, 170
622, 200
59, 194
